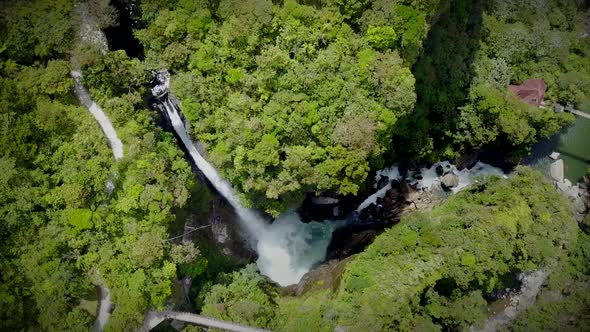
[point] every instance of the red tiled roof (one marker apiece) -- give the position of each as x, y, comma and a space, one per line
531, 91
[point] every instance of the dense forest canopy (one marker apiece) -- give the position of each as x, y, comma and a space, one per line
309, 97
431, 272
475, 50
288, 98
61, 230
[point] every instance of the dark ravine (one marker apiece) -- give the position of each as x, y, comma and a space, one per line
120, 36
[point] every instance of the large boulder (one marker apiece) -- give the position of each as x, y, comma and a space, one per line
322, 200
383, 181
450, 180
467, 160
439, 170
443, 169
320, 208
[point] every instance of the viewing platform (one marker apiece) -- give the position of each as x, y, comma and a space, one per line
580, 113
570, 109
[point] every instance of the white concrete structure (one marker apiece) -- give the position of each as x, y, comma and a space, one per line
153, 318
556, 170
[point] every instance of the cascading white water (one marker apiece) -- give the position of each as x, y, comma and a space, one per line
102, 119
287, 248
251, 220
430, 178
466, 176
392, 173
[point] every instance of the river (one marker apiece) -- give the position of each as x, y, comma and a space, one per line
573, 143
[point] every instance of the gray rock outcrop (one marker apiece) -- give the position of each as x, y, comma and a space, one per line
578, 194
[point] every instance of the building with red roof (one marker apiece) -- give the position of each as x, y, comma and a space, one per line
531, 91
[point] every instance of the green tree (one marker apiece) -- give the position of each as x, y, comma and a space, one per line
266, 82
241, 299
382, 37
432, 271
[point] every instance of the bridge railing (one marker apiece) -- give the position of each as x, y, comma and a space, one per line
153, 318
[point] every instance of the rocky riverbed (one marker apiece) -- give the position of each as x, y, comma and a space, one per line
395, 193
578, 194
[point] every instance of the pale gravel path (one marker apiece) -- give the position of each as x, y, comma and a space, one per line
105, 305
90, 33
104, 309
531, 286
102, 119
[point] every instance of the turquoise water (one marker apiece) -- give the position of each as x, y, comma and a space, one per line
572, 142
574, 147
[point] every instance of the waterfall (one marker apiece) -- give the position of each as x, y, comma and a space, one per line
287, 248
250, 219
105, 306
102, 119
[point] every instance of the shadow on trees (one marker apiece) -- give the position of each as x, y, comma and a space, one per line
443, 75
120, 36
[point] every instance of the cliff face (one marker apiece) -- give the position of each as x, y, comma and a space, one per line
325, 276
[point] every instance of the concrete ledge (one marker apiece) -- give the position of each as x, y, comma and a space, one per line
556, 170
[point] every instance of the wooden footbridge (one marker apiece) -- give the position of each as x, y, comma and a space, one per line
153, 318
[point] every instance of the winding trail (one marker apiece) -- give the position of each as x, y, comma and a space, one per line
104, 309
97, 112
530, 288
105, 304
91, 33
